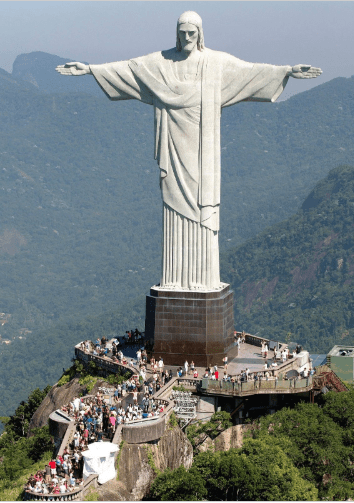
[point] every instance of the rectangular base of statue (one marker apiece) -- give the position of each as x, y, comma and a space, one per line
190, 325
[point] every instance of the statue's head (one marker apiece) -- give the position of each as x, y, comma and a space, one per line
190, 21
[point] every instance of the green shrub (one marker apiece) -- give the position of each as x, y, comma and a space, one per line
89, 381
63, 380
151, 461
119, 456
172, 421
115, 379
179, 388
92, 495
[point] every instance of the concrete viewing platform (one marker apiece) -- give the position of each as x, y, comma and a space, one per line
249, 356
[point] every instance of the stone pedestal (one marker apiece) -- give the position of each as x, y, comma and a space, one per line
190, 325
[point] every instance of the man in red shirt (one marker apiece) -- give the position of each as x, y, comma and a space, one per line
53, 467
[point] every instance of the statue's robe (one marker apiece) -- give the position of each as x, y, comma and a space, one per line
187, 146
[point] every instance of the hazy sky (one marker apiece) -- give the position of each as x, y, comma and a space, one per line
318, 33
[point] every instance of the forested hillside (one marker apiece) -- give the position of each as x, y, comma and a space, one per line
295, 280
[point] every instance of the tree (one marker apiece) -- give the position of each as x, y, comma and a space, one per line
40, 443
313, 441
178, 485
340, 407
20, 420
259, 471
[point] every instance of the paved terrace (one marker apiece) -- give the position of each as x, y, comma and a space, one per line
248, 356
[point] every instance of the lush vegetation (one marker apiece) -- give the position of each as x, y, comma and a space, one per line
305, 454
21, 455
295, 280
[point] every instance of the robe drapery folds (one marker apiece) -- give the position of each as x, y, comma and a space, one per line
187, 146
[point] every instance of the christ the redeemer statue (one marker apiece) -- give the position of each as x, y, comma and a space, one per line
188, 86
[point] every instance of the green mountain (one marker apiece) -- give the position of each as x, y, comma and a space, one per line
295, 280
38, 67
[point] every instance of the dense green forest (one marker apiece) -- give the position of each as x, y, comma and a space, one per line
300, 454
295, 280
20, 456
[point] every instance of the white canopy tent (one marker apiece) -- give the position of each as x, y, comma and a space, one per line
99, 458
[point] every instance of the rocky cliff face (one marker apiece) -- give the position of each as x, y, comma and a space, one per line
56, 398
232, 438
140, 463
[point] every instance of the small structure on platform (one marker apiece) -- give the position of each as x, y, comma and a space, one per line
341, 360
100, 458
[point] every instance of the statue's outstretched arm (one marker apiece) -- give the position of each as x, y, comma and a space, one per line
304, 72
74, 68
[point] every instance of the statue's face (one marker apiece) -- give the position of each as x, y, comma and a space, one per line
188, 35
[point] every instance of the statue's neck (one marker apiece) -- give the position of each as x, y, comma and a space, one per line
188, 56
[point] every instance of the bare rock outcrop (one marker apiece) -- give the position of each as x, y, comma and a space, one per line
113, 490
56, 398
206, 444
139, 463
231, 438
173, 450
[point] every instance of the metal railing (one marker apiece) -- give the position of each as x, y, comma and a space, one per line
248, 387
105, 363
77, 494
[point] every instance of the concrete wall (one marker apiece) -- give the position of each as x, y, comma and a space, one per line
143, 432
57, 429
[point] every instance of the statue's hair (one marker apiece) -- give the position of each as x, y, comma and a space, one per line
191, 17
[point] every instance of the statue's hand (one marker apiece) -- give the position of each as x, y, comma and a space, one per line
74, 68
305, 72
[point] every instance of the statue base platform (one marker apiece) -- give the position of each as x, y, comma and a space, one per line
190, 325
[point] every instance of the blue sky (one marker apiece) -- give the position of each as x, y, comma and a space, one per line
318, 33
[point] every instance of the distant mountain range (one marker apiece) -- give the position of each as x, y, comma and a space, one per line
38, 68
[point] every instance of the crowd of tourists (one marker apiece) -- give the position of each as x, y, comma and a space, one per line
96, 419
62, 475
